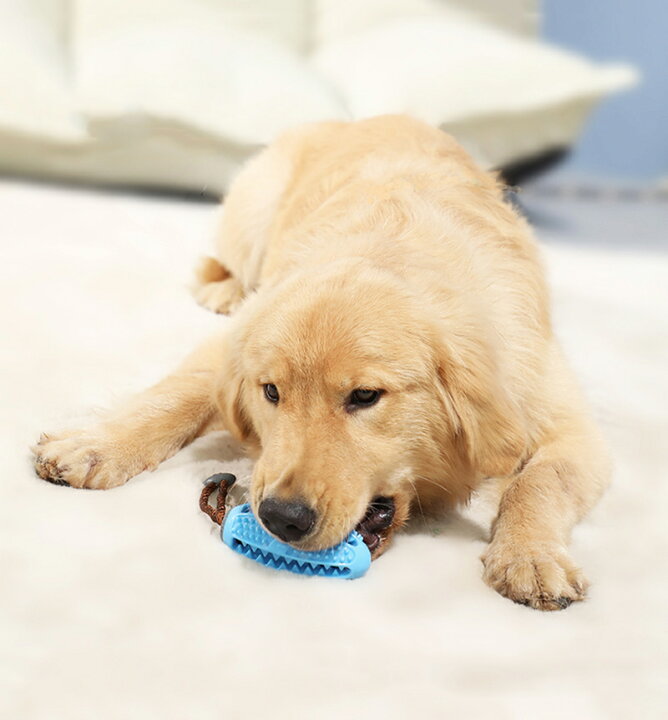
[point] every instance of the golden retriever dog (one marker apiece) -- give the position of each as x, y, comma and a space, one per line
390, 337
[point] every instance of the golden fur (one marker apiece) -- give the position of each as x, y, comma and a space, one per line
376, 255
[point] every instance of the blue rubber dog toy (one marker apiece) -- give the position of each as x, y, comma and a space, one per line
243, 533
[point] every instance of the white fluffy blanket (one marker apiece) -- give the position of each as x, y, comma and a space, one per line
125, 604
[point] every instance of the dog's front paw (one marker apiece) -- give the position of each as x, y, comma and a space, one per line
543, 577
80, 459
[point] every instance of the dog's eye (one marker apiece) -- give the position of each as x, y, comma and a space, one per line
363, 398
271, 393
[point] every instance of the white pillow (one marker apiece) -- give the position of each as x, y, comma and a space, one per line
35, 98
178, 93
452, 70
188, 66
335, 19
284, 21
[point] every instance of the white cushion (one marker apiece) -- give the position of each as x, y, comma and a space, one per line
452, 70
178, 93
35, 98
336, 18
192, 65
285, 21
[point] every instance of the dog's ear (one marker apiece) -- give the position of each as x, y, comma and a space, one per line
230, 395
488, 426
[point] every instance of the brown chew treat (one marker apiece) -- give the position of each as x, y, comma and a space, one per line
221, 482
375, 527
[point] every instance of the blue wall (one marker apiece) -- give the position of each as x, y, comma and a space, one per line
627, 136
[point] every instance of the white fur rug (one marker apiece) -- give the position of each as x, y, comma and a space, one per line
125, 604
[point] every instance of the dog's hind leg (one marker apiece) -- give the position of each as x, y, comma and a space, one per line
244, 230
216, 289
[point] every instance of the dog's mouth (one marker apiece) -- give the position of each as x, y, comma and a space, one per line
375, 525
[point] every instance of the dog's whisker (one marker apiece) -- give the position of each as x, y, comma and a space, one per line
433, 482
417, 497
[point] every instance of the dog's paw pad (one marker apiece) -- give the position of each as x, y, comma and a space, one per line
77, 459
542, 578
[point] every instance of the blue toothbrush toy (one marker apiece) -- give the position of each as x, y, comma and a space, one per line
243, 533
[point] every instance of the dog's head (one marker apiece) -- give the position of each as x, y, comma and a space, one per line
350, 389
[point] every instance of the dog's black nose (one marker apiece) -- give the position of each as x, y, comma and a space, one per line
287, 520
